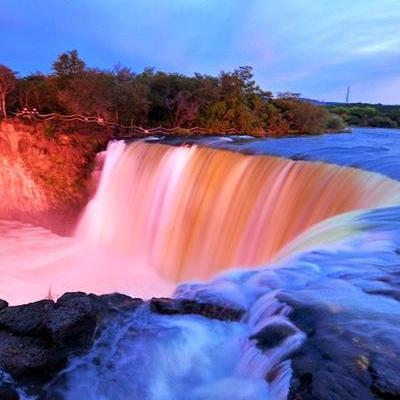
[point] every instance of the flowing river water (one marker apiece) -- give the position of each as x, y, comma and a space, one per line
270, 226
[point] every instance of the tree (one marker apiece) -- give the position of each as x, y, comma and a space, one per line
130, 97
97, 89
183, 107
302, 117
68, 64
240, 103
37, 91
7, 84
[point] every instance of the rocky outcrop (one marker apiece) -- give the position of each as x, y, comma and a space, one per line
337, 361
186, 306
45, 170
37, 339
27, 319
8, 393
273, 335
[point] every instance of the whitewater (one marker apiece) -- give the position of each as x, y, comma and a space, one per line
248, 223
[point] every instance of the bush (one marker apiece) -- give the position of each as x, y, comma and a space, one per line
334, 123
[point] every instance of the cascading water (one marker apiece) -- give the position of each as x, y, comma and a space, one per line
193, 212
163, 214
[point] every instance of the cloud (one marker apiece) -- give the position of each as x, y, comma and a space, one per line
315, 47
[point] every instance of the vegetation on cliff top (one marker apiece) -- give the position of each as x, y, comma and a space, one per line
154, 98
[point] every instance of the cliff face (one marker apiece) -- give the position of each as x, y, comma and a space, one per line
44, 174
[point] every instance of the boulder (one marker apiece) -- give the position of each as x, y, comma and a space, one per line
165, 306
29, 357
106, 304
28, 319
212, 310
8, 393
72, 322
385, 375
3, 304
272, 335
169, 306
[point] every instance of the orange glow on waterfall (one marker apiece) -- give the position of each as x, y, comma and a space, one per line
195, 211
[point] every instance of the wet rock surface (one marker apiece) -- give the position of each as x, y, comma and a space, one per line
185, 306
37, 339
339, 362
272, 335
8, 393
336, 361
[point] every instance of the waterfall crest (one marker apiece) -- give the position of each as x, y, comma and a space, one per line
195, 211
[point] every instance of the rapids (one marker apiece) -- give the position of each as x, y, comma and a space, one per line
286, 240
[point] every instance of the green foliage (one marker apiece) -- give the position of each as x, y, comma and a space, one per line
154, 98
68, 64
376, 115
334, 122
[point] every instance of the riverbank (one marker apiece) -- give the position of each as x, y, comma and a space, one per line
39, 339
42, 343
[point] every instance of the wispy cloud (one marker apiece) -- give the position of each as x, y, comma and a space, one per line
315, 47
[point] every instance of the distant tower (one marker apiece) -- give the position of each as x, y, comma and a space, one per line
348, 94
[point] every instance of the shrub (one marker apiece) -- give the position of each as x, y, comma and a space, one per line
334, 123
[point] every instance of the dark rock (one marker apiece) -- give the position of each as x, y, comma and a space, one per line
272, 335
27, 319
393, 293
332, 363
212, 311
72, 323
114, 302
8, 394
3, 304
66, 297
185, 306
165, 306
385, 373
28, 357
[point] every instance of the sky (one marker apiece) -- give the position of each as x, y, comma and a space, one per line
314, 47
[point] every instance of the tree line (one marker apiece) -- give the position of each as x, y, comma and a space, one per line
363, 114
155, 98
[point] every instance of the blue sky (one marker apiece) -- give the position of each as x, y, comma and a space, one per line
316, 47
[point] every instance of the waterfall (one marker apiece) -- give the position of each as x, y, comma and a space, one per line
268, 235
193, 212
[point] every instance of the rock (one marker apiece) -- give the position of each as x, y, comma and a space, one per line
110, 303
3, 304
385, 374
165, 306
66, 297
332, 363
27, 319
185, 306
8, 394
212, 311
73, 321
36, 339
272, 335
28, 357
